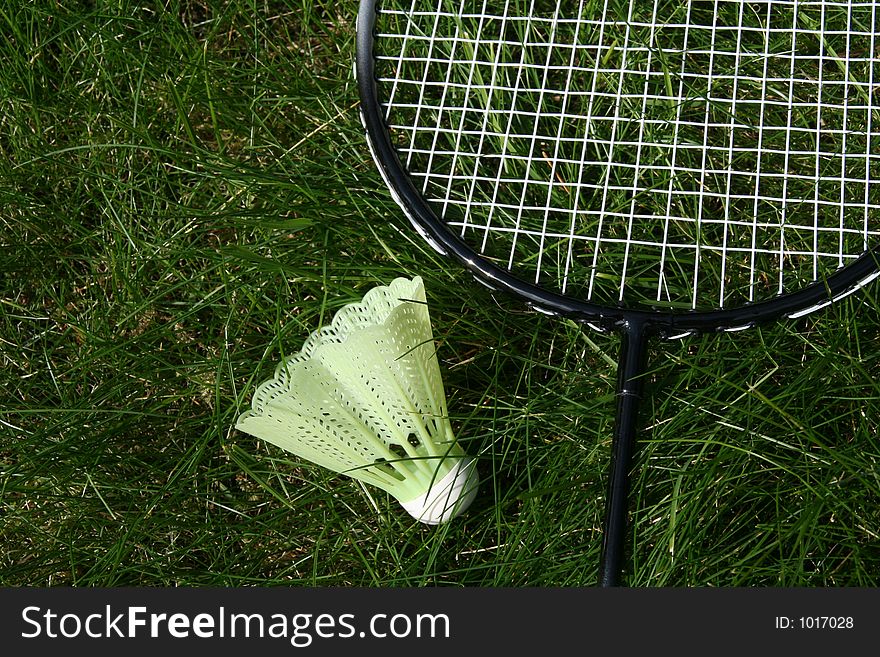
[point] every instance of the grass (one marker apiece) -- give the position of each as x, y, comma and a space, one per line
185, 194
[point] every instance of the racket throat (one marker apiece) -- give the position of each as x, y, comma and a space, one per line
630, 386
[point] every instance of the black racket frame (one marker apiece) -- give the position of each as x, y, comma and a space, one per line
636, 325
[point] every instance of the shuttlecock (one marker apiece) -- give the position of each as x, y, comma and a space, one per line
365, 398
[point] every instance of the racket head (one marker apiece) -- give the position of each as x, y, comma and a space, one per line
438, 116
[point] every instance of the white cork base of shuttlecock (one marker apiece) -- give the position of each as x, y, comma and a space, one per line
448, 497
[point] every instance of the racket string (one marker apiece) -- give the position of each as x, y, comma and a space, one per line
698, 154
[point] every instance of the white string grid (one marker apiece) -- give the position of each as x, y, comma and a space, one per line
683, 154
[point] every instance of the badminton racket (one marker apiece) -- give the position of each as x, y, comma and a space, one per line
652, 167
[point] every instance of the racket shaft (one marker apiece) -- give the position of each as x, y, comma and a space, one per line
630, 383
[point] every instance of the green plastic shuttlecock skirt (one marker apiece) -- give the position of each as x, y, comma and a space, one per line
365, 398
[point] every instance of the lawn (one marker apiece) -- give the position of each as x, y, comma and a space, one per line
186, 194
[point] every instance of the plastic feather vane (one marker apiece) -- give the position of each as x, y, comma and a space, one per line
364, 397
